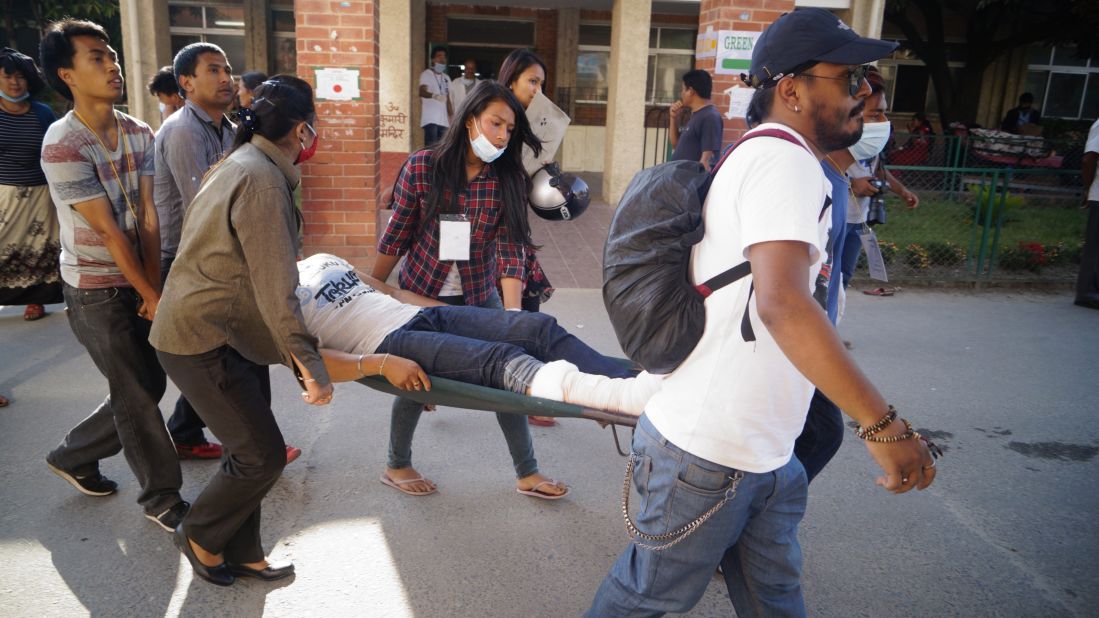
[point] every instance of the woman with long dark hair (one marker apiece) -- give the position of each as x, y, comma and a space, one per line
524, 74
229, 310
29, 235
460, 218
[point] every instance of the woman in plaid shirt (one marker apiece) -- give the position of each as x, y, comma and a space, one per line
475, 175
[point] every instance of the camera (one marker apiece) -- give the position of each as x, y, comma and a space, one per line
876, 215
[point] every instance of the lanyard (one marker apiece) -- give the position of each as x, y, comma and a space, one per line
125, 155
441, 82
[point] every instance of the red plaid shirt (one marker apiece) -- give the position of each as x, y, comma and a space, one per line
408, 232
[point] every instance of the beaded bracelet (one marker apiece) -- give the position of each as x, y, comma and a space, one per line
907, 435
885, 421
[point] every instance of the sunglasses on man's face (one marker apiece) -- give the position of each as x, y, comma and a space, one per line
854, 78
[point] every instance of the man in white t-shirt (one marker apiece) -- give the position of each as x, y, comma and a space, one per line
462, 86
712, 454
1087, 282
435, 108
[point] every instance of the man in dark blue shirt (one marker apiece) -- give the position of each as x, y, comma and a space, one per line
701, 139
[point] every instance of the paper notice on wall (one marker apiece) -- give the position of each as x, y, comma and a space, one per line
337, 84
706, 43
739, 98
734, 51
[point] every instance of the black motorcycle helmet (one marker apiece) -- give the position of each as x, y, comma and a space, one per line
557, 195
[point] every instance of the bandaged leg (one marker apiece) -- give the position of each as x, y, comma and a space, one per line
562, 381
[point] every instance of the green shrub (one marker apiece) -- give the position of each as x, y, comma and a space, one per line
945, 253
917, 257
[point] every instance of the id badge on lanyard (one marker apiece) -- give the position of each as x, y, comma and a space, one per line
454, 238
874, 258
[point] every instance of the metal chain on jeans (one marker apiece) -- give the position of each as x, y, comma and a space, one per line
637, 537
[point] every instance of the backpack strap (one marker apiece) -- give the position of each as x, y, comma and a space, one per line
744, 268
746, 330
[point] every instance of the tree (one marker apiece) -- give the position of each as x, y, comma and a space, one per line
993, 28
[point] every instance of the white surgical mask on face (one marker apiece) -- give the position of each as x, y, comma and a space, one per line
439, 67
483, 148
872, 142
18, 99
163, 107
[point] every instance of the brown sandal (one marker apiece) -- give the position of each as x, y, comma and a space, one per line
34, 312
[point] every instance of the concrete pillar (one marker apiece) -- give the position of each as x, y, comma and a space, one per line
865, 17
626, 95
745, 15
340, 184
147, 47
257, 30
568, 47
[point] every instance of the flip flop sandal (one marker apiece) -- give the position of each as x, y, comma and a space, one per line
34, 312
400, 485
542, 421
878, 292
533, 491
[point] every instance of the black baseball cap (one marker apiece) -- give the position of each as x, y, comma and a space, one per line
809, 35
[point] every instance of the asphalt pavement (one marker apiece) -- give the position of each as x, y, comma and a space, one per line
1004, 382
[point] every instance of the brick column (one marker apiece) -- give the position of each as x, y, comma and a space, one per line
340, 184
750, 15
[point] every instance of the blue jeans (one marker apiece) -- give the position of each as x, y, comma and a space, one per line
821, 437
852, 247
753, 537
476, 345
106, 323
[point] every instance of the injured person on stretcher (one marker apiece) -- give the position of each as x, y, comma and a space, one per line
366, 327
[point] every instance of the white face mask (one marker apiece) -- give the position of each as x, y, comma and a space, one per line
483, 148
439, 67
163, 107
872, 142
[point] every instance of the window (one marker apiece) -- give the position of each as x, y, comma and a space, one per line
282, 48
671, 54
1063, 85
489, 32
220, 23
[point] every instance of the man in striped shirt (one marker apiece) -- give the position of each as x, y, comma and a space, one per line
99, 166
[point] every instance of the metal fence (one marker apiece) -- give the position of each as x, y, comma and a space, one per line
984, 220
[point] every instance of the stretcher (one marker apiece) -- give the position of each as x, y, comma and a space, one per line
446, 392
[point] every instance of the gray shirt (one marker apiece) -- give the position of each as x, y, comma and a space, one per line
703, 133
187, 144
235, 278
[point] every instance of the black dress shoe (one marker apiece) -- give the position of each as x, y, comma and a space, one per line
271, 573
218, 575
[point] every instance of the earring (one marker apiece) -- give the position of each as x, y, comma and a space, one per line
797, 109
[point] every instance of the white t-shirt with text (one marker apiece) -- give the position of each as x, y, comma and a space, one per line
343, 312
742, 404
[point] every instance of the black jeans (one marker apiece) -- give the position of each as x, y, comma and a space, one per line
106, 323
233, 396
184, 425
821, 437
1087, 281
433, 133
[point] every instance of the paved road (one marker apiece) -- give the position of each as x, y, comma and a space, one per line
1007, 380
